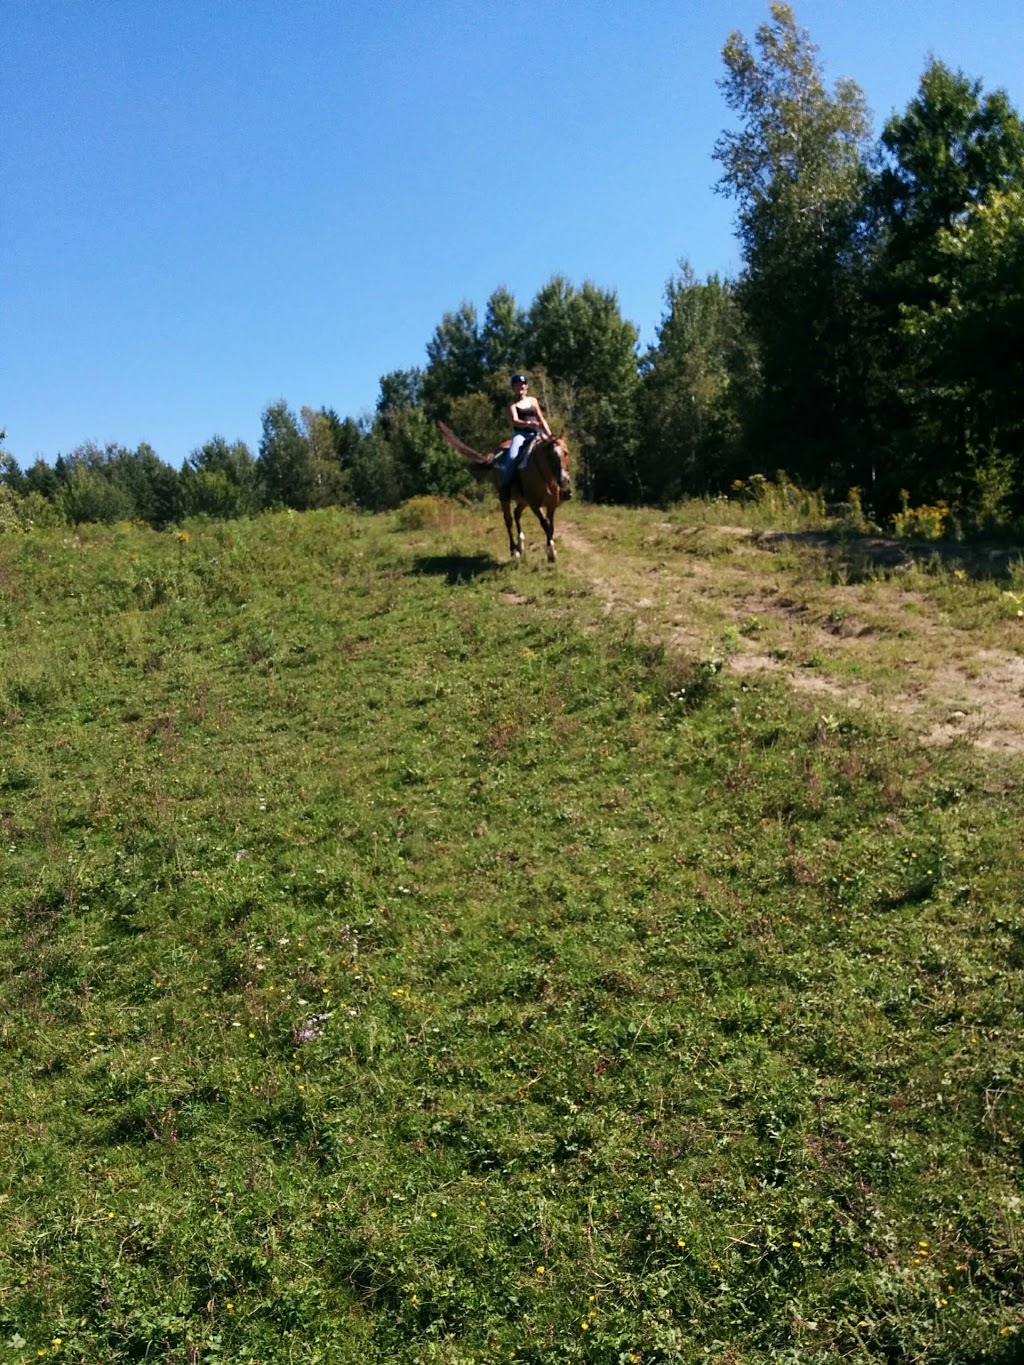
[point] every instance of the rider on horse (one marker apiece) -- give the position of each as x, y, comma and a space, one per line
527, 423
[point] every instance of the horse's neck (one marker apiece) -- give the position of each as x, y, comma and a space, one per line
548, 449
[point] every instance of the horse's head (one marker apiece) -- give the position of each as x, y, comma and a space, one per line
558, 458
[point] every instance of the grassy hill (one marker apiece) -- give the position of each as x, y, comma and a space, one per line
403, 957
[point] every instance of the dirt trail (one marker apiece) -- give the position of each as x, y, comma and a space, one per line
724, 591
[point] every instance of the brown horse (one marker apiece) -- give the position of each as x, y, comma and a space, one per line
540, 484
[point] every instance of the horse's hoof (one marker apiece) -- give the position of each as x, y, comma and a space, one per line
517, 554
551, 554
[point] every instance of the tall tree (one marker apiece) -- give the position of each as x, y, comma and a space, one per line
284, 462
699, 380
219, 480
153, 486
589, 351
948, 151
347, 436
327, 481
455, 360
796, 169
41, 478
400, 389
968, 347
953, 152
503, 336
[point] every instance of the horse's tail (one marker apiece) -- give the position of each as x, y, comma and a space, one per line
471, 456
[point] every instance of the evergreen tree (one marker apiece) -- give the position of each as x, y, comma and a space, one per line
155, 488
953, 152
41, 478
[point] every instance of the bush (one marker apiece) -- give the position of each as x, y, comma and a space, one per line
927, 522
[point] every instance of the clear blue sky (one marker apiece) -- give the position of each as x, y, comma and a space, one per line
207, 205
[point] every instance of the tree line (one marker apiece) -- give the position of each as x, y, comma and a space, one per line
873, 339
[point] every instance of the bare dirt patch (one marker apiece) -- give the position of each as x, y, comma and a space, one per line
759, 603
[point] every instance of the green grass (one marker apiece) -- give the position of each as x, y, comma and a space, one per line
664, 1020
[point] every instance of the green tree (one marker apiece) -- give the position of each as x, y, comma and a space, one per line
113, 484
347, 438
375, 475
10, 489
89, 495
328, 483
154, 487
796, 167
479, 420
41, 478
219, 479
589, 352
969, 348
952, 152
455, 361
400, 389
284, 463
699, 380
10, 474
950, 149
503, 336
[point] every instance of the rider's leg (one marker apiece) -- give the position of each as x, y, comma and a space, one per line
511, 460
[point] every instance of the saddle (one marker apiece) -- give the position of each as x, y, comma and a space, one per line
501, 454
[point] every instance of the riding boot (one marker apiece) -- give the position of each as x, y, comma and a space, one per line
508, 478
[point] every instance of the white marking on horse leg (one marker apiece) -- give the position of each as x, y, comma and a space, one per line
551, 553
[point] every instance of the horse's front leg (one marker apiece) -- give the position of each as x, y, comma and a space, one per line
548, 523
515, 548
520, 538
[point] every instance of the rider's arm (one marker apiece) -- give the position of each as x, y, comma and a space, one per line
542, 421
